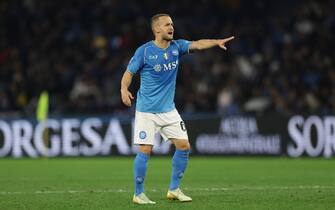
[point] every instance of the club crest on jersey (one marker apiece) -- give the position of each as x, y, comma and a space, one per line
166, 56
175, 52
157, 68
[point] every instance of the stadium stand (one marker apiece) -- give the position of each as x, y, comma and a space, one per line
281, 61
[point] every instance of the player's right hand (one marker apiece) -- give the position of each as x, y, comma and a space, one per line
126, 97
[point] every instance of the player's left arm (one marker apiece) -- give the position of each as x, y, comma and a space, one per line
203, 44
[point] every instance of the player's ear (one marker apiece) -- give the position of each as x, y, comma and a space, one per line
155, 28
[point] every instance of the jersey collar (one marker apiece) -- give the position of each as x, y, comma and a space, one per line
160, 47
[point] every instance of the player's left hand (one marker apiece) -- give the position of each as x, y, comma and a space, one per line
126, 97
222, 42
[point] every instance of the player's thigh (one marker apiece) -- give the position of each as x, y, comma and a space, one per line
174, 131
144, 129
173, 127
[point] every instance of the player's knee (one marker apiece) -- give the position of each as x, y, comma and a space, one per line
183, 145
145, 149
186, 146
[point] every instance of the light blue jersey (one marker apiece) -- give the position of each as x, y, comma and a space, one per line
158, 69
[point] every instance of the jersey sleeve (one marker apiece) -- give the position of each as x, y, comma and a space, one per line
136, 62
184, 46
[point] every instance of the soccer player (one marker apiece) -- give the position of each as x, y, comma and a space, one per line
157, 63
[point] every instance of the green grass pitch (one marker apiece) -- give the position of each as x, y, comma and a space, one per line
212, 182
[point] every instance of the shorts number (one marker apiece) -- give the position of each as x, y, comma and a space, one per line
182, 125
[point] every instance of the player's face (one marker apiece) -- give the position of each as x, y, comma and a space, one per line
165, 28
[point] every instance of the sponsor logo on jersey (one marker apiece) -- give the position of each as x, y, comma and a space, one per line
151, 57
175, 52
170, 66
157, 68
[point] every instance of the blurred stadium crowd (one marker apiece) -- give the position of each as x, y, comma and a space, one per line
282, 59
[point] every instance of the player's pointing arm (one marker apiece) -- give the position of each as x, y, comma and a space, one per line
203, 44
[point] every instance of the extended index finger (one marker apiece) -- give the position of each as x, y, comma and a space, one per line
228, 39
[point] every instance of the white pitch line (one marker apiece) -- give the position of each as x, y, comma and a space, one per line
301, 187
